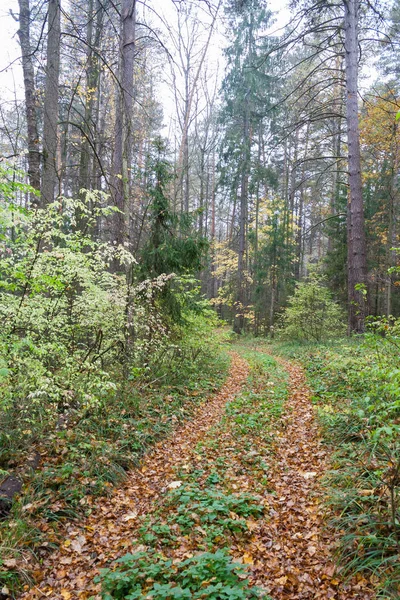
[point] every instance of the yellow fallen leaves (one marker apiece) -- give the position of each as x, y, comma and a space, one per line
251, 525
247, 559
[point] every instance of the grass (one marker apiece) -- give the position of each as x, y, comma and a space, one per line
356, 394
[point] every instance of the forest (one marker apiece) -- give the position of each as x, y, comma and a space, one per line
200, 299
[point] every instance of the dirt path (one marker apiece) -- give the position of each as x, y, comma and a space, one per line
107, 533
295, 546
288, 550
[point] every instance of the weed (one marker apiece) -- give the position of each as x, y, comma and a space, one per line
207, 575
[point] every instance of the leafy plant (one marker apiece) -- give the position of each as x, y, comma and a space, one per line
208, 511
92, 369
151, 575
311, 313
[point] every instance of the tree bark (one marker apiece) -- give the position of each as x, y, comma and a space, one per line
123, 127
50, 178
243, 198
93, 37
30, 96
356, 243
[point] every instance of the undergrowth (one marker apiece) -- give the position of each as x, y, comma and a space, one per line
356, 387
193, 545
92, 451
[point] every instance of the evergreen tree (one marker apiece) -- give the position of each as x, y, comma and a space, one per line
246, 100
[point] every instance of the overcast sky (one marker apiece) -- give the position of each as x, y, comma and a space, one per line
11, 76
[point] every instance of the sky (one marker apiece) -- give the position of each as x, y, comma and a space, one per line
11, 80
9, 49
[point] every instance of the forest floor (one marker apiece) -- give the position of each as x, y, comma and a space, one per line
243, 475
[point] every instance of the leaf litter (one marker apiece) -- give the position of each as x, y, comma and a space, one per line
108, 533
288, 550
294, 548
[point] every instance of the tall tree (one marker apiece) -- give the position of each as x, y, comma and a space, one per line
332, 29
122, 166
245, 89
24, 35
50, 176
356, 243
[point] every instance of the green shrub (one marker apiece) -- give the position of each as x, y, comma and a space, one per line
311, 314
93, 370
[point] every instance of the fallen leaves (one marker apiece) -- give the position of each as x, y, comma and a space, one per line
10, 563
174, 485
247, 559
78, 543
311, 550
288, 551
107, 532
130, 516
296, 559
309, 474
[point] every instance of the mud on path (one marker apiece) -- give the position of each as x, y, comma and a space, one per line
296, 546
108, 532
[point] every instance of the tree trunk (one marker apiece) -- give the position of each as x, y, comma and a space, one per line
30, 96
123, 140
214, 282
356, 253
93, 37
50, 178
244, 185
392, 210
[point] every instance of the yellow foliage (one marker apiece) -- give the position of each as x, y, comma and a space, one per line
380, 136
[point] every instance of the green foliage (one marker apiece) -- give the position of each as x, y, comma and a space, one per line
12, 182
210, 510
273, 256
151, 575
62, 316
311, 313
172, 247
87, 361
